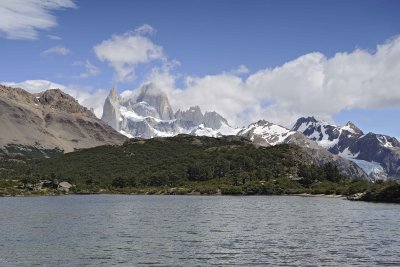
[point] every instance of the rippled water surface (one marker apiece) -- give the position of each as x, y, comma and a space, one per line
197, 231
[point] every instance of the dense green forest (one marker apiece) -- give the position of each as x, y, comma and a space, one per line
186, 164
175, 161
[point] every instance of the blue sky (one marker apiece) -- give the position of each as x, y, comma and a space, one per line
219, 50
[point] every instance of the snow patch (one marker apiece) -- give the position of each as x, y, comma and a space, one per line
228, 130
201, 130
131, 115
347, 154
383, 140
349, 129
125, 133
370, 167
163, 134
324, 141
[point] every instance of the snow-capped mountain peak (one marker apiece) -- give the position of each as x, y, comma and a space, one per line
376, 154
352, 129
266, 133
157, 99
303, 123
151, 115
324, 133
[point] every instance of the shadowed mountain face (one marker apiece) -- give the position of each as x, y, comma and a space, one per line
266, 133
377, 154
50, 120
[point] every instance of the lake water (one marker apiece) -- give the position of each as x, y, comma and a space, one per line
123, 230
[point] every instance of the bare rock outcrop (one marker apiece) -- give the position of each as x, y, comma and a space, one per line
111, 113
50, 120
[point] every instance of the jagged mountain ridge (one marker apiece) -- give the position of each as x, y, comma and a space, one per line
141, 118
265, 133
50, 120
150, 115
377, 154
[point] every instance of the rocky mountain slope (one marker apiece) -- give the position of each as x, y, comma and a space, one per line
49, 120
268, 134
150, 115
377, 154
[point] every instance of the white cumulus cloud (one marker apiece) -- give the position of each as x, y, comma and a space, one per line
316, 85
125, 51
309, 85
23, 19
312, 84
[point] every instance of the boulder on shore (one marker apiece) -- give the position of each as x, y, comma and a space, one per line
64, 186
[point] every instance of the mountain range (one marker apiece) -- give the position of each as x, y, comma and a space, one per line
150, 115
377, 154
55, 120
